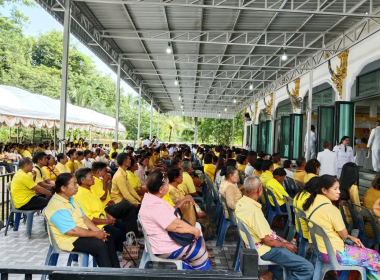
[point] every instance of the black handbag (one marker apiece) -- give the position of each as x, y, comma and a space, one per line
182, 239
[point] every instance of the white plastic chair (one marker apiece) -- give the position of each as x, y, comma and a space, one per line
148, 255
368, 161
2, 170
361, 154
321, 267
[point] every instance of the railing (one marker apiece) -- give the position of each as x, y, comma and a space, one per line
249, 271
5, 205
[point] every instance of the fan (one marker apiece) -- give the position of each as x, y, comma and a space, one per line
296, 101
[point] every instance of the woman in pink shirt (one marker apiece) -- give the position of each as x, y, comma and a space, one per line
157, 218
142, 168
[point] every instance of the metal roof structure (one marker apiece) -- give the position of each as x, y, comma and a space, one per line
223, 54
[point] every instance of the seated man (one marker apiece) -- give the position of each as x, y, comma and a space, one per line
269, 246
267, 168
278, 190
72, 154
61, 164
42, 179
187, 185
300, 173
78, 161
24, 189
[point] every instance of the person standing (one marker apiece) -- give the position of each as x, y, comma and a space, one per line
344, 154
327, 159
374, 143
247, 147
312, 142
146, 142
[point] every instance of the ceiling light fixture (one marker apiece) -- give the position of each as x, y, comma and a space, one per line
225, 109
176, 81
181, 106
183, 112
179, 97
234, 100
284, 56
169, 48
251, 86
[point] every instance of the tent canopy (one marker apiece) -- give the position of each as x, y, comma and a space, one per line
34, 110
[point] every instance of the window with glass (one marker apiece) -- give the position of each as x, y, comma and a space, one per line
255, 137
284, 110
285, 131
345, 120
369, 83
268, 148
325, 126
324, 97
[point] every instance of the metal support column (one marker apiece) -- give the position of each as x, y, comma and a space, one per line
309, 112
90, 144
233, 131
158, 125
117, 98
55, 148
151, 118
34, 133
65, 72
139, 119
245, 135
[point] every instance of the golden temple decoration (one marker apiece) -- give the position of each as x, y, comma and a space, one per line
243, 116
269, 105
295, 93
340, 74
254, 121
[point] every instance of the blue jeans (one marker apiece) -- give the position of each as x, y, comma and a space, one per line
298, 267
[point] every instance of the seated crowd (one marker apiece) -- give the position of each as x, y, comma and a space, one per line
93, 197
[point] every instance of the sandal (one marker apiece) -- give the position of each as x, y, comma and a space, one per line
212, 262
208, 247
210, 256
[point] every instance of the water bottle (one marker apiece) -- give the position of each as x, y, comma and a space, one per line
294, 242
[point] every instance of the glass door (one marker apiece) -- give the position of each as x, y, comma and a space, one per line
295, 136
325, 127
268, 140
248, 134
255, 137
344, 120
284, 137
263, 136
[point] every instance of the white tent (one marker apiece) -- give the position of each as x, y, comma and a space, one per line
20, 107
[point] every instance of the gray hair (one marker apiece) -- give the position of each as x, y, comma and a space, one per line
251, 184
186, 165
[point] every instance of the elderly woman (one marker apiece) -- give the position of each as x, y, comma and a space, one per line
72, 230
50, 168
228, 187
157, 217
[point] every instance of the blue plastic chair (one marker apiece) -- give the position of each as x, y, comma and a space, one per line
54, 252
224, 223
303, 245
218, 203
244, 232
209, 194
272, 212
321, 267
16, 214
290, 229
362, 212
355, 222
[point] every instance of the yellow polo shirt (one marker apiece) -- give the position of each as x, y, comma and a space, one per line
98, 191
40, 174
62, 168
134, 180
187, 185
167, 198
249, 212
299, 201
21, 188
209, 169
122, 189
91, 205
278, 191
265, 177
71, 166
329, 217
111, 152
78, 164
308, 176
50, 174
299, 175
25, 153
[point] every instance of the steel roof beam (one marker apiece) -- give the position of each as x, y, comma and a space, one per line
240, 6
204, 32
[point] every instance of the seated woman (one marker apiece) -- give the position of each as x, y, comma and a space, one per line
72, 230
142, 169
208, 167
219, 165
242, 161
348, 178
134, 179
157, 218
276, 162
250, 165
312, 169
371, 199
228, 187
51, 171
258, 167
328, 216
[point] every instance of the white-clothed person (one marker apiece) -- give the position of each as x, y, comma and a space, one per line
146, 142
374, 143
328, 160
288, 167
247, 147
344, 154
313, 140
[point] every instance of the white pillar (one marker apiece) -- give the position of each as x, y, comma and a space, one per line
65, 72
117, 98
245, 135
233, 130
308, 126
158, 125
139, 119
90, 144
151, 117
55, 148
373, 111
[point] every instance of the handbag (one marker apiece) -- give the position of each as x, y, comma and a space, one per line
182, 239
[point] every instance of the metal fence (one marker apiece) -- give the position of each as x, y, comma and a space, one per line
5, 203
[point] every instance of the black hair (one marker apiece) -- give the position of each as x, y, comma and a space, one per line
80, 153
86, 152
287, 163
227, 170
98, 166
60, 156
155, 181
266, 165
300, 161
81, 173
114, 155
133, 161
349, 176
312, 166
174, 162
279, 172
229, 154
208, 158
62, 180
38, 156
215, 159
308, 188
71, 152
325, 181
377, 185
121, 158
24, 161
258, 164
173, 173
242, 159
343, 138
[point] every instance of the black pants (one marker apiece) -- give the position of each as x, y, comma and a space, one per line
8, 166
103, 252
125, 211
118, 232
36, 203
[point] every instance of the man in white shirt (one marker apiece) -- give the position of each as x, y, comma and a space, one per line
328, 160
287, 167
156, 141
146, 142
87, 158
312, 142
374, 142
247, 147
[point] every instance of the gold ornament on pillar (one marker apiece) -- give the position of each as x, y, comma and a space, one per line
269, 105
294, 96
341, 72
243, 116
255, 112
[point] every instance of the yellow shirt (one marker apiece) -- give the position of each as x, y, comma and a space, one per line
370, 198
329, 217
209, 169
40, 174
26, 154
134, 180
71, 166
167, 198
62, 168
299, 202
354, 198
242, 167
78, 164
50, 174
91, 205
265, 177
308, 176
299, 175
187, 185
75, 142
257, 173
275, 166
111, 152
249, 212
164, 154
98, 190
175, 193
278, 191
60, 206
122, 188
21, 188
